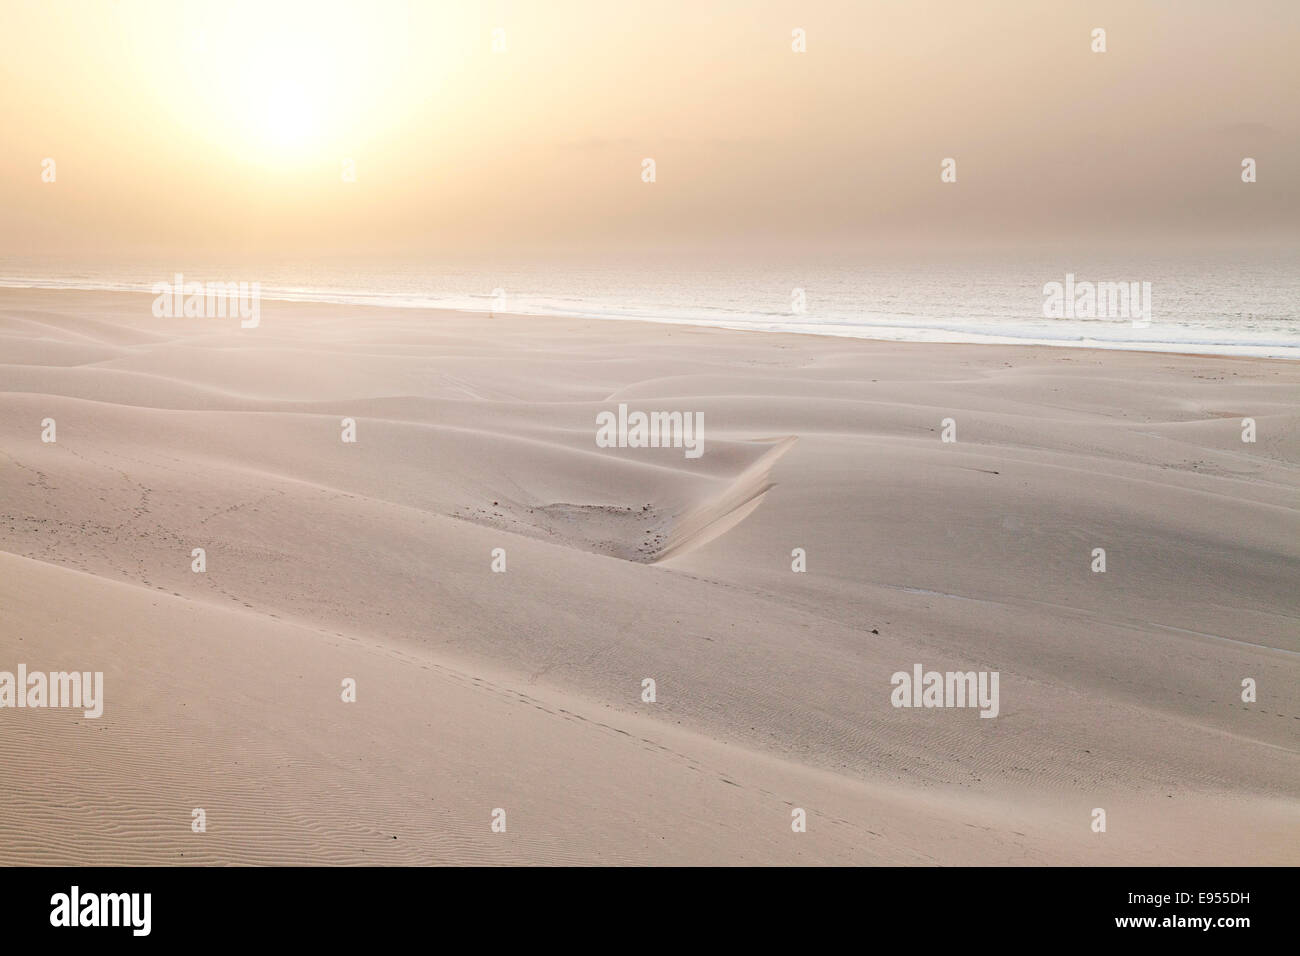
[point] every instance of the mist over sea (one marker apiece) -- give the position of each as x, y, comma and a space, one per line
1240, 303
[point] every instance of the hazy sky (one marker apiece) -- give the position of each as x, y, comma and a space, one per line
223, 126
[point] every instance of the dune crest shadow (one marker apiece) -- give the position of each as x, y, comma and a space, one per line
687, 511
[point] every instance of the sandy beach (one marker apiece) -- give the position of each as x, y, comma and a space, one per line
521, 690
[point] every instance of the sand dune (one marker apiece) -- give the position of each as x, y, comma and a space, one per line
522, 690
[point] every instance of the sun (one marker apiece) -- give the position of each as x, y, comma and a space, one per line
285, 96
291, 115
285, 83
293, 86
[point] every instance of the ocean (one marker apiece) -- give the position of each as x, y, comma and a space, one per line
1240, 303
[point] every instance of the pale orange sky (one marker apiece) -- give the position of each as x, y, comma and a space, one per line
222, 127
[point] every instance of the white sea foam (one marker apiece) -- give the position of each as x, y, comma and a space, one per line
1241, 306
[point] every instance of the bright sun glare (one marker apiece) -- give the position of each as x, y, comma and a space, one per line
280, 82
291, 115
